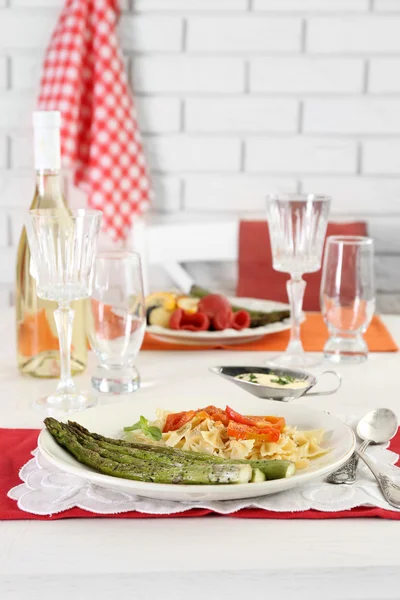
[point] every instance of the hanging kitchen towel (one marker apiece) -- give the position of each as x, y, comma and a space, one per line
256, 276
83, 77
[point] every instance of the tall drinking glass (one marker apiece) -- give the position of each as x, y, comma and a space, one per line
347, 296
63, 247
117, 321
297, 225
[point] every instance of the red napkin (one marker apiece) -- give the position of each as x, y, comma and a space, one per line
15, 450
257, 278
84, 78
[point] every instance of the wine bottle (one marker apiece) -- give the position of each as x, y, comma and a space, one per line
37, 342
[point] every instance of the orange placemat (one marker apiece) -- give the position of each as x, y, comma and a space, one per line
313, 334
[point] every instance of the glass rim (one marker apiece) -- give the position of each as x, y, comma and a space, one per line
118, 254
54, 213
299, 197
350, 240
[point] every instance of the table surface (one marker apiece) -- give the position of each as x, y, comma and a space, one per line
346, 558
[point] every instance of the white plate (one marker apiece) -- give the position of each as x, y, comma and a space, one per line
227, 336
110, 419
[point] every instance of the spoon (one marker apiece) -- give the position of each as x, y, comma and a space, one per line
376, 427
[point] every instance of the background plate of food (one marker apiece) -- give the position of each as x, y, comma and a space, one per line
167, 450
204, 318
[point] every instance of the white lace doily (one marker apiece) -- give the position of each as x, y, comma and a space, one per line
47, 491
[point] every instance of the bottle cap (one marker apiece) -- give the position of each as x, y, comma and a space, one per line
46, 118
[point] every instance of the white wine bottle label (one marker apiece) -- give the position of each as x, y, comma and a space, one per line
46, 140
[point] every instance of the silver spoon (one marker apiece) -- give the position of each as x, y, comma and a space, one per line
376, 427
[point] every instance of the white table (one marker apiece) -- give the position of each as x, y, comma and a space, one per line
212, 558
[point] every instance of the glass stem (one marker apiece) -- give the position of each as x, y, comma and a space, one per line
64, 318
295, 288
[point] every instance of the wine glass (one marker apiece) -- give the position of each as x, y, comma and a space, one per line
117, 320
297, 226
347, 296
63, 247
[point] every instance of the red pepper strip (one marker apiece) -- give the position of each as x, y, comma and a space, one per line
217, 414
241, 320
260, 422
176, 420
189, 322
278, 422
240, 431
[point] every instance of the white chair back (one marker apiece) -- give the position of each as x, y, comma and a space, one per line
169, 245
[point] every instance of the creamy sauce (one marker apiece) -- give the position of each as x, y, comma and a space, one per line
283, 382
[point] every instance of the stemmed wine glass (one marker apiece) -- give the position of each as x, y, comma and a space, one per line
297, 226
63, 247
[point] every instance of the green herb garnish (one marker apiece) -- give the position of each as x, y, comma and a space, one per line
283, 379
149, 430
251, 377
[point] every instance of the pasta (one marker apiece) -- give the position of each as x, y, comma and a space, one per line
210, 437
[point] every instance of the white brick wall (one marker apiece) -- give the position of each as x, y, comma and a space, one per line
241, 115
352, 116
303, 75
300, 155
151, 34
238, 34
382, 78
236, 98
184, 153
190, 5
3, 72
25, 71
363, 197
381, 157
159, 115
311, 5
188, 74
26, 28
245, 193
353, 35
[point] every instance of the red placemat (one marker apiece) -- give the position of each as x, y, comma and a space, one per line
15, 450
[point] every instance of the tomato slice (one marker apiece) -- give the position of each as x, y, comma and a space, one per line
241, 431
278, 422
176, 420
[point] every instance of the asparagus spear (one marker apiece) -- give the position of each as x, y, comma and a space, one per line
102, 447
174, 472
162, 450
196, 473
258, 317
272, 469
162, 467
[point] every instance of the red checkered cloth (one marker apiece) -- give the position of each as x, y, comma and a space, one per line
84, 78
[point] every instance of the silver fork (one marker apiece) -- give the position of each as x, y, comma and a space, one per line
347, 473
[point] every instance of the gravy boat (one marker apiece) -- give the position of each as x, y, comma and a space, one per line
273, 393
